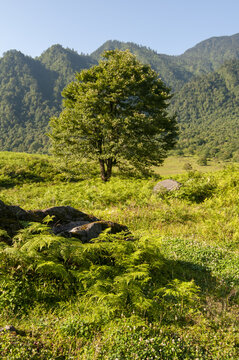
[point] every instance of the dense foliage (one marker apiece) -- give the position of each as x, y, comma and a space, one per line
115, 113
169, 292
208, 112
30, 89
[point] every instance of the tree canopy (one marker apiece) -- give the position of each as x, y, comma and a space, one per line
116, 113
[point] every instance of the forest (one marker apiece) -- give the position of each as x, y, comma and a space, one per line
203, 79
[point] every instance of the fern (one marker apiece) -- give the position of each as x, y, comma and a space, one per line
57, 270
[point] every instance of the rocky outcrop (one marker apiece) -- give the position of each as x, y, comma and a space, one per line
62, 214
65, 221
13, 212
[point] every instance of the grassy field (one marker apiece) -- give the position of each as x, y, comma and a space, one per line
175, 165
169, 293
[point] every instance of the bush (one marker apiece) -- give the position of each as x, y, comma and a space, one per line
196, 187
187, 166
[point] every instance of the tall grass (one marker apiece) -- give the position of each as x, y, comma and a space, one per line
171, 292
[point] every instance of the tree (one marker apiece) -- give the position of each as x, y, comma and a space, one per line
116, 113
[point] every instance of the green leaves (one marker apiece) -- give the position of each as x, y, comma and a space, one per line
115, 112
122, 276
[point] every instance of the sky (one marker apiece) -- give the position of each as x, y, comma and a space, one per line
166, 26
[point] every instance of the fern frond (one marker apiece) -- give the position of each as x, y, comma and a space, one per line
51, 268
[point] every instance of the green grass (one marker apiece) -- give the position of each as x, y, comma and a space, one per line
175, 165
170, 293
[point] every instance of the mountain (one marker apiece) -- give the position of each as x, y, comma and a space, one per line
25, 104
171, 69
175, 71
205, 92
63, 64
209, 54
30, 93
208, 113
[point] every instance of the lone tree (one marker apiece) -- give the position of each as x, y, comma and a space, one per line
115, 113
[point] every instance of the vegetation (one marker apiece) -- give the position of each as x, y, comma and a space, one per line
169, 292
30, 92
207, 112
115, 113
31, 89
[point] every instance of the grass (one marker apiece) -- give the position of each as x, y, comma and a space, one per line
175, 165
190, 265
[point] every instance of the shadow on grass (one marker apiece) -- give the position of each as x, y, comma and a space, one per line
187, 271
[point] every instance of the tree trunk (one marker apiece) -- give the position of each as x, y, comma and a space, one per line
106, 168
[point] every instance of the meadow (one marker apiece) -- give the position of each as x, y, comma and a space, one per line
169, 292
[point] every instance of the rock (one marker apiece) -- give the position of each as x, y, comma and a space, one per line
166, 185
92, 230
8, 328
10, 220
62, 214
64, 229
14, 212
9, 227
66, 221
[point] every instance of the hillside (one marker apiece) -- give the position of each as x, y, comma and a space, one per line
25, 102
171, 69
208, 112
209, 54
30, 91
175, 71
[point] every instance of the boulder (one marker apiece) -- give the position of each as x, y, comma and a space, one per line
13, 212
62, 215
66, 221
166, 185
92, 230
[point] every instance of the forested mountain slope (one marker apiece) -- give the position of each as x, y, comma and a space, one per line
208, 113
30, 93
30, 90
205, 57
209, 54
171, 69
26, 102
63, 64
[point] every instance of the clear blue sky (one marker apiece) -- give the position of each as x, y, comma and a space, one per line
167, 26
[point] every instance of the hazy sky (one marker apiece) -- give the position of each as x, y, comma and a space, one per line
167, 26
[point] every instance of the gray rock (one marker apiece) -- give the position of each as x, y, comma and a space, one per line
66, 221
92, 230
61, 229
9, 328
87, 232
166, 185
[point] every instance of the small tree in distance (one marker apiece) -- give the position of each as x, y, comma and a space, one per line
115, 113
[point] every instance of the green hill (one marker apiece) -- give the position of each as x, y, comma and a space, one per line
175, 71
209, 54
30, 92
25, 103
171, 69
208, 112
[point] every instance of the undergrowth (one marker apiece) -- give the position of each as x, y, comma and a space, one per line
168, 292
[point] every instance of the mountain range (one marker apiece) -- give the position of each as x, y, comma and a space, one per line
204, 80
